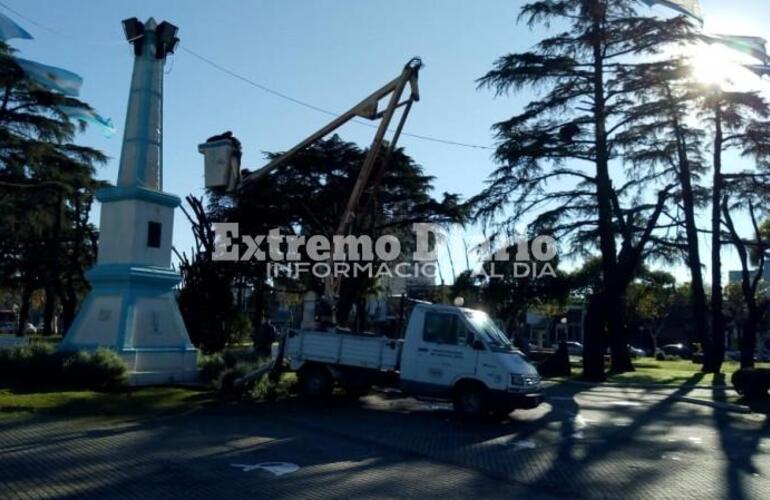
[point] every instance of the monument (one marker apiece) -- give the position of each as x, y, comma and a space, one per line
131, 308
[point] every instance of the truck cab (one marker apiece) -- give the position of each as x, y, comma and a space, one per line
460, 354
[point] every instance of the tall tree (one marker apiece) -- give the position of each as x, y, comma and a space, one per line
733, 121
41, 173
307, 196
588, 100
749, 192
664, 137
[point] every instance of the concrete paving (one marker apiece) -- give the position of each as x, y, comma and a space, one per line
586, 442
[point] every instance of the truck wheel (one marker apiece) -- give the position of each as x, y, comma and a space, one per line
315, 382
470, 401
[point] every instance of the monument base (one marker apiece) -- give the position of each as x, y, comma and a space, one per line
132, 310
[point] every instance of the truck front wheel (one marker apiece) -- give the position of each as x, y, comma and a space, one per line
315, 382
470, 401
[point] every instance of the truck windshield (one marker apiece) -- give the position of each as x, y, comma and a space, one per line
492, 335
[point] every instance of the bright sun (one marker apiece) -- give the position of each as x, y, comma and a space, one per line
718, 65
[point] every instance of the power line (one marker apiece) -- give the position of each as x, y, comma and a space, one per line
59, 33
253, 83
276, 93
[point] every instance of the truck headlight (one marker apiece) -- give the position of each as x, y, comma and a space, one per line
525, 381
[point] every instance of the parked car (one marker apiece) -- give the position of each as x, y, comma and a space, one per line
7, 321
574, 348
680, 350
636, 352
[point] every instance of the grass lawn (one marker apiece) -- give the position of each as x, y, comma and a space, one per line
133, 402
145, 401
678, 372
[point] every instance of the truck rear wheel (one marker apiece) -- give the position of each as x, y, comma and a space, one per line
315, 382
470, 401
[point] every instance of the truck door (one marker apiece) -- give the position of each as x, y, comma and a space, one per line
443, 353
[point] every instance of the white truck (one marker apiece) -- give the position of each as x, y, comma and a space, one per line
446, 352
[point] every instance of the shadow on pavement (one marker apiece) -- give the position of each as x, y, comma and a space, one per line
739, 443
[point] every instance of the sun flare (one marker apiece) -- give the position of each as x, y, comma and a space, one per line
719, 65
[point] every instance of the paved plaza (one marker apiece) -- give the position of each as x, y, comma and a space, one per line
586, 442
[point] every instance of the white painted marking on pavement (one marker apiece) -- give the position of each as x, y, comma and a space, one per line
523, 444
277, 468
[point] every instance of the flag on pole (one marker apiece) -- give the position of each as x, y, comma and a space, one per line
90, 116
9, 29
687, 7
753, 46
60, 80
759, 69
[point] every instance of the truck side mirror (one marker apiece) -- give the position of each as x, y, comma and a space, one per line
478, 345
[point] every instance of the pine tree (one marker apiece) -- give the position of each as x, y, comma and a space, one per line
44, 177
732, 117
568, 136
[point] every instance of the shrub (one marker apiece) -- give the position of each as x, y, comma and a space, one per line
39, 365
101, 369
211, 367
226, 382
752, 383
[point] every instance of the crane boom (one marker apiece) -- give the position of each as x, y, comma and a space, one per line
366, 108
222, 153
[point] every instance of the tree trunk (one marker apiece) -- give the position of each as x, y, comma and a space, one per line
620, 361
717, 316
49, 310
52, 275
594, 338
693, 253
26, 297
593, 357
69, 302
748, 343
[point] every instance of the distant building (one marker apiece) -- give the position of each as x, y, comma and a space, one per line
545, 331
737, 276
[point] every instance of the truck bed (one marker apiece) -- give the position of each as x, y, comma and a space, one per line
346, 349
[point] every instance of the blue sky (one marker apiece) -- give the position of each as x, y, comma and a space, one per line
328, 53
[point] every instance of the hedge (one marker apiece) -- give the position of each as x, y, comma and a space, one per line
39, 365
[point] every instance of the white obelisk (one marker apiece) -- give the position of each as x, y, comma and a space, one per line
132, 308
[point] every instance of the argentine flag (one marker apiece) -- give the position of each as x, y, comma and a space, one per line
753, 46
90, 116
9, 29
687, 7
60, 80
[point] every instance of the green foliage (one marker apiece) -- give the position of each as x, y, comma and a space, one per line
210, 366
101, 369
47, 187
306, 196
221, 370
141, 402
39, 365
